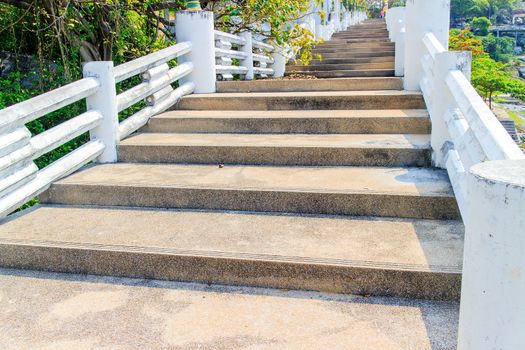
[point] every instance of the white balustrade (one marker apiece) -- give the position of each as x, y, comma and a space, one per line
487, 172
20, 178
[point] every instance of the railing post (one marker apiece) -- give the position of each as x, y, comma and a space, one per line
279, 61
492, 311
423, 16
197, 27
248, 50
442, 98
104, 101
396, 25
400, 53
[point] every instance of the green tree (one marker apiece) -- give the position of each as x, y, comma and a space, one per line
489, 77
500, 49
468, 8
480, 26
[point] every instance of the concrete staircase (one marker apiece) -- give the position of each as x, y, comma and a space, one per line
372, 54
321, 185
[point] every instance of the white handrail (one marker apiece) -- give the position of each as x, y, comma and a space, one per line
230, 53
36, 107
145, 89
433, 45
494, 139
262, 46
142, 64
67, 131
62, 167
140, 118
232, 38
21, 179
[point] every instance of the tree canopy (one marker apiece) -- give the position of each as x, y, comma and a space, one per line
469, 9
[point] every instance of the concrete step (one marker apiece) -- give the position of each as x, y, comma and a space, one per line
322, 74
325, 100
121, 313
392, 192
361, 35
360, 40
306, 85
292, 122
372, 45
333, 67
355, 54
350, 51
272, 149
366, 256
350, 60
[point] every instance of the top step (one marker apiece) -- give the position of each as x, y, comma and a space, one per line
304, 100
305, 85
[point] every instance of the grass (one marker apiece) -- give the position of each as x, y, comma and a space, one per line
518, 117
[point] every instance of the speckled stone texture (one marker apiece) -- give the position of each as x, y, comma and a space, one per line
338, 100
55, 311
388, 257
339, 84
395, 192
292, 122
303, 150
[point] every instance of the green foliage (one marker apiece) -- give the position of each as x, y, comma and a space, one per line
500, 49
480, 26
274, 20
489, 77
464, 40
469, 9
516, 88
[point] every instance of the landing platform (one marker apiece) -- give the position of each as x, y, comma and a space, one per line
56, 311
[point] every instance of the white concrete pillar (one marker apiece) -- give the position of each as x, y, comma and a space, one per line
395, 19
423, 16
248, 50
279, 62
442, 99
400, 53
197, 27
104, 101
492, 311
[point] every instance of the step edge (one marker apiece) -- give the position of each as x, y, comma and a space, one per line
68, 182
227, 255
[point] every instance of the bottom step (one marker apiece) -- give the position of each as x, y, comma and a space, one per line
56, 311
365, 256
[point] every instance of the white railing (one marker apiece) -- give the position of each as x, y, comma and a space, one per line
229, 47
21, 180
253, 56
395, 22
465, 131
262, 58
155, 88
487, 172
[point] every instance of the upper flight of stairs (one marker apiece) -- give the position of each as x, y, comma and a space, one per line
321, 185
372, 54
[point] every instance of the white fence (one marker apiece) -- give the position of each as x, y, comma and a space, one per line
253, 56
486, 168
20, 178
